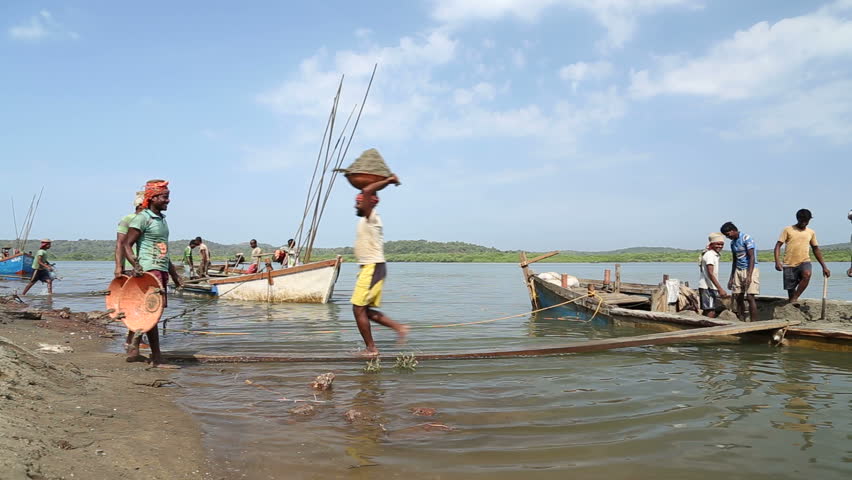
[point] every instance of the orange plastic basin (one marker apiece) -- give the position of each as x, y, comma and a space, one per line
141, 302
113, 298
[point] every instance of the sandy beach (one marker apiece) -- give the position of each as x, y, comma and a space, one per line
85, 413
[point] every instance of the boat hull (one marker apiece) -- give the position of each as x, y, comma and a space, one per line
20, 265
311, 283
812, 333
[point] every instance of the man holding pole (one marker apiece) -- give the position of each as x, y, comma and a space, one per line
798, 240
369, 251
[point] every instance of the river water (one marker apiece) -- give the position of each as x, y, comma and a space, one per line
740, 410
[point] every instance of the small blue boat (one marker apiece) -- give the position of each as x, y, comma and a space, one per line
20, 265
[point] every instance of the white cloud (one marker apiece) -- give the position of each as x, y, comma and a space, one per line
518, 58
825, 112
788, 78
617, 17
579, 72
481, 91
40, 27
765, 59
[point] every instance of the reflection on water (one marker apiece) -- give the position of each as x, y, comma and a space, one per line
699, 410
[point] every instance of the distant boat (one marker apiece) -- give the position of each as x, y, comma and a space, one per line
309, 283
19, 265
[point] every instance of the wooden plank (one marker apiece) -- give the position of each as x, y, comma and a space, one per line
527, 274
578, 347
665, 317
525, 262
274, 273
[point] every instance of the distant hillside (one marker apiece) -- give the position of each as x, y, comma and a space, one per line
421, 251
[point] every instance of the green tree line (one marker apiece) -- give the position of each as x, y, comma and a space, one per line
423, 251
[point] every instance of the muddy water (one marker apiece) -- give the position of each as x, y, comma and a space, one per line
688, 411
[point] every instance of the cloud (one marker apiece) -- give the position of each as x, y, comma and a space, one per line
787, 78
617, 17
39, 27
579, 72
765, 59
481, 91
824, 112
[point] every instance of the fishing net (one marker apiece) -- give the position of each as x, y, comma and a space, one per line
370, 161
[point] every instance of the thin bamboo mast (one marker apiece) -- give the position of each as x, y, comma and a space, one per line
343, 153
308, 199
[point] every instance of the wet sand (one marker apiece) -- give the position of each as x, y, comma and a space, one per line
87, 414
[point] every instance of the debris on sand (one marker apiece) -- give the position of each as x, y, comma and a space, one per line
423, 411
304, 410
323, 382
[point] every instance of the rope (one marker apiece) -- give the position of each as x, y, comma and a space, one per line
478, 322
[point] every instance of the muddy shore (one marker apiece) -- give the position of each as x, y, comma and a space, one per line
85, 413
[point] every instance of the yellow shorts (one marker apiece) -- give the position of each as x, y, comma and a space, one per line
368, 286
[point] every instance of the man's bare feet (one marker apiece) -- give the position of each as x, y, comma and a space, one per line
165, 366
402, 333
133, 354
367, 353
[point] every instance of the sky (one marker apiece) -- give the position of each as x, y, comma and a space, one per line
516, 124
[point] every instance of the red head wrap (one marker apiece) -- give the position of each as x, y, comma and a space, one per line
152, 189
374, 199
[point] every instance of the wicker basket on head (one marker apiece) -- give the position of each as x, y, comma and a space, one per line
368, 168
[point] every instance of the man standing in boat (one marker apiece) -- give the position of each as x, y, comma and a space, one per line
710, 291
256, 254
369, 251
205, 256
151, 231
798, 240
745, 276
42, 267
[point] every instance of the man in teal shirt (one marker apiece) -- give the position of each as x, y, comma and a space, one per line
150, 230
42, 267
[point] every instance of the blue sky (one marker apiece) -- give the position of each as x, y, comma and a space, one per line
535, 124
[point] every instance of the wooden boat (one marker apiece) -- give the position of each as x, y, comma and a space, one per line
19, 265
638, 305
309, 283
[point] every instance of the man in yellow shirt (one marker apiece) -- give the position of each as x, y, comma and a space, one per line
799, 239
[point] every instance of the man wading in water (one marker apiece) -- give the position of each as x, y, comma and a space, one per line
150, 229
370, 253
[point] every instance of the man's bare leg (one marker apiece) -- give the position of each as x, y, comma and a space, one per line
363, 321
752, 307
156, 357
132, 347
27, 288
382, 319
741, 306
800, 289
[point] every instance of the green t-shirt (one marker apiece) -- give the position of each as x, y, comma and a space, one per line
123, 225
153, 240
45, 257
187, 255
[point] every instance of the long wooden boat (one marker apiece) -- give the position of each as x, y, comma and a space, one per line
636, 304
18, 265
309, 283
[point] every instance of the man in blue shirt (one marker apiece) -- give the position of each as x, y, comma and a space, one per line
745, 276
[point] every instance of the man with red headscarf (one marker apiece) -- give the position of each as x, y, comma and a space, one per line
370, 253
150, 230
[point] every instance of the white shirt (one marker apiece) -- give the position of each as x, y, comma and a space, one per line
255, 255
369, 240
710, 257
